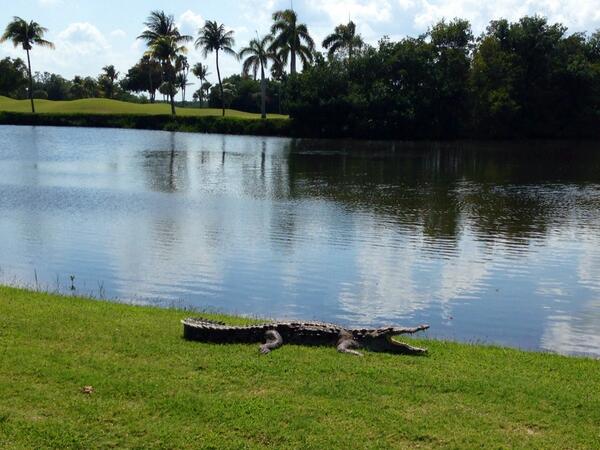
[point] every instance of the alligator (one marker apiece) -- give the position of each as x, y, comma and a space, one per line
275, 334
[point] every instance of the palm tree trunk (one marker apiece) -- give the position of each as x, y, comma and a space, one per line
220, 84
263, 93
279, 98
293, 62
171, 81
150, 81
30, 82
173, 105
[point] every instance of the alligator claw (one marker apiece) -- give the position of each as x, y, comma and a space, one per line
274, 340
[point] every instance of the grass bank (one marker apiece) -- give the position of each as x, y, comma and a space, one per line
106, 113
96, 106
152, 389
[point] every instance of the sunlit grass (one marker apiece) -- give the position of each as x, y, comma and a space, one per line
106, 106
152, 389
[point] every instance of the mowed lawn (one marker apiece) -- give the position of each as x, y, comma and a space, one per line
152, 389
106, 106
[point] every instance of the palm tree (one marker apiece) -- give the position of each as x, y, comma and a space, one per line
206, 88
150, 66
159, 25
26, 35
278, 74
291, 39
229, 92
165, 44
200, 71
110, 74
258, 54
181, 81
212, 38
182, 67
344, 38
166, 50
278, 69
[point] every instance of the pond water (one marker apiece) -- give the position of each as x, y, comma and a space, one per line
486, 242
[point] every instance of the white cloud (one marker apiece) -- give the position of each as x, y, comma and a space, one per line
258, 14
138, 46
189, 22
49, 2
240, 30
80, 49
118, 33
576, 14
407, 4
358, 10
82, 38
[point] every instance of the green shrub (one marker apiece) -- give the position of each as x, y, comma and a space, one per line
198, 124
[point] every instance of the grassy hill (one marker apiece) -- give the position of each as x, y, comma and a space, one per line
106, 106
152, 389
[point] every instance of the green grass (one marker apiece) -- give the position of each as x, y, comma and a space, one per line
106, 106
155, 390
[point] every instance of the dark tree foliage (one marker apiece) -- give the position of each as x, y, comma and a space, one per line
13, 78
417, 87
84, 88
55, 86
243, 93
522, 79
531, 78
145, 76
451, 44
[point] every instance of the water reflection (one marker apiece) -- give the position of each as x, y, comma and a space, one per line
486, 241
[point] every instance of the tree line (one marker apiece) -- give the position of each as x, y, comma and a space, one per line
522, 78
164, 66
527, 78
14, 82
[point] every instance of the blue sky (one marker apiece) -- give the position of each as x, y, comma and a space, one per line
90, 34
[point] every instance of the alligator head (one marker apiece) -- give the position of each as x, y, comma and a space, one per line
382, 340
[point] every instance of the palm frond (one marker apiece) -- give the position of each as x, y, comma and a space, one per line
19, 32
44, 43
214, 37
251, 63
330, 40
230, 51
289, 35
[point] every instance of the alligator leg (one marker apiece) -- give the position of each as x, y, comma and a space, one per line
346, 344
274, 340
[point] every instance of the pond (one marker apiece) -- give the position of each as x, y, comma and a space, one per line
486, 242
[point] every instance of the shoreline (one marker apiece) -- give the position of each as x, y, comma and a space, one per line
159, 122
234, 318
151, 388
238, 126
